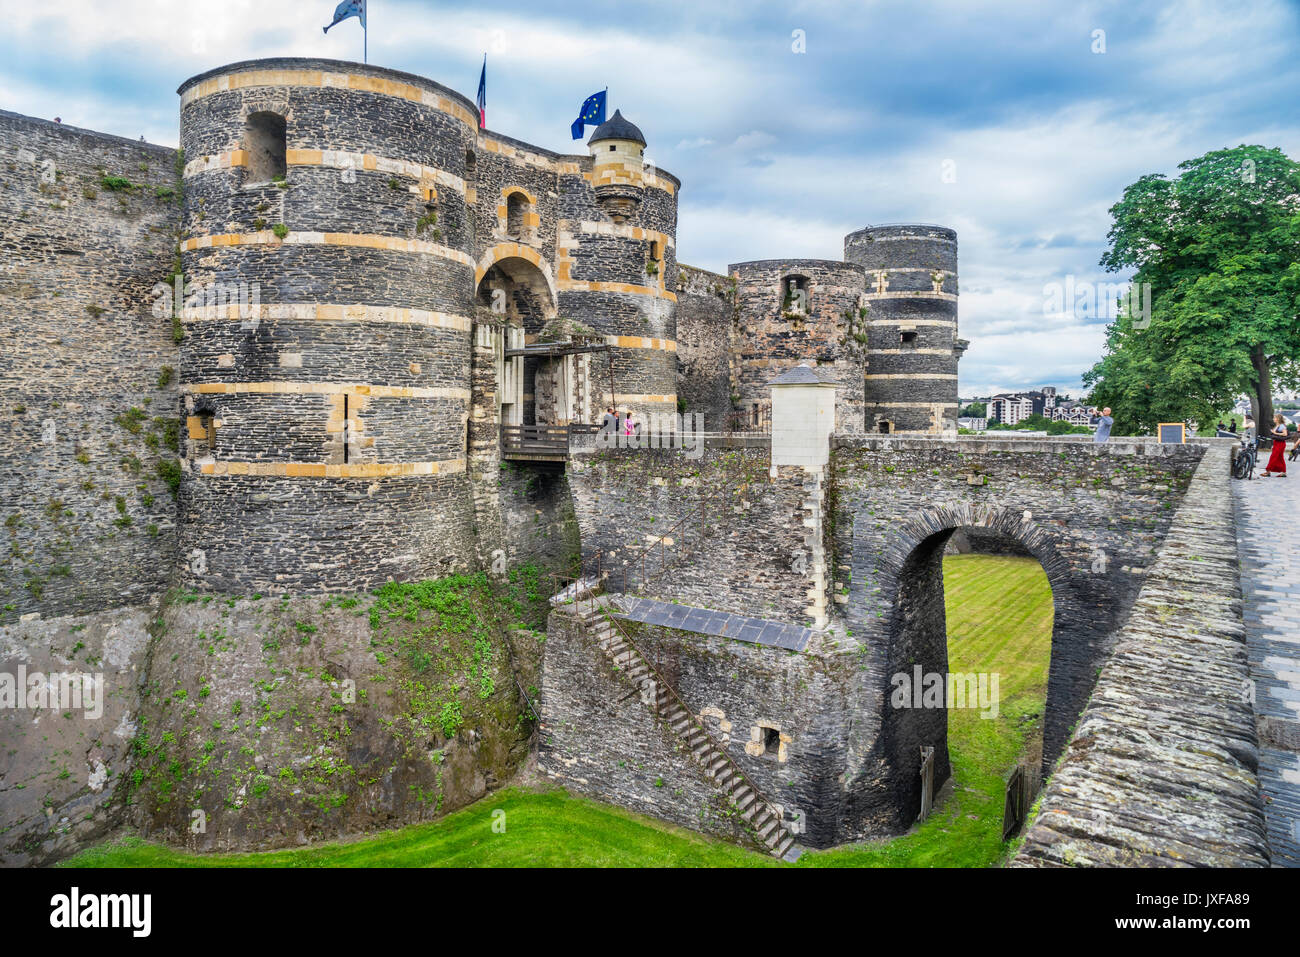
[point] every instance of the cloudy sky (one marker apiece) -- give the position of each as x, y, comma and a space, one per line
1003, 120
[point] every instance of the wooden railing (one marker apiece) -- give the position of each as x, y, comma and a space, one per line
543, 441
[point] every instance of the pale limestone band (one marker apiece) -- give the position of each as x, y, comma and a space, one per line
406, 91
913, 294
911, 352
324, 312
621, 230
324, 388
266, 237
910, 375
901, 321
326, 79
631, 342
647, 399
579, 285
332, 159
321, 470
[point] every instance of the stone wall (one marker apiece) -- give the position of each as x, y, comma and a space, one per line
1093, 515
640, 509
62, 764
290, 719
327, 423
706, 331
598, 738
912, 349
818, 325
89, 424
1161, 770
538, 518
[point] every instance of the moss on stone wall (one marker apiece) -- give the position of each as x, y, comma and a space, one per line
271, 720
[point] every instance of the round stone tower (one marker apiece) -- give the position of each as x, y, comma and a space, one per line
616, 267
327, 256
794, 311
913, 349
618, 167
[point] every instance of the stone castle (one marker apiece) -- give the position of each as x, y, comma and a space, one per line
292, 358
372, 285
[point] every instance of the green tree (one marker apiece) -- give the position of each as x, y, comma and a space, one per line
976, 410
1220, 247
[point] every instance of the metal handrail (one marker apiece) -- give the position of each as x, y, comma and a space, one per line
663, 682
702, 506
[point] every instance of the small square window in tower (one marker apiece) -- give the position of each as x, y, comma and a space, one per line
907, 340
771, 742
796, 295
208, 431
264, 141
517, 210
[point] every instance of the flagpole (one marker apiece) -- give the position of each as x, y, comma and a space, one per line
365, 33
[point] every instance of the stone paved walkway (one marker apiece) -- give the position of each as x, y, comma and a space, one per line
1268, 545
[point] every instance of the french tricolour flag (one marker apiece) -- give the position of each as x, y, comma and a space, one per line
482, 96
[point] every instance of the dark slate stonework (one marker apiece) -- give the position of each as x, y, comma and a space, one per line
743, 558
325, 536
598, 738
706, 339
1162, 768
312, 273
772, 339
912, 328
1093, 515
537, 516
87, 521
377, 353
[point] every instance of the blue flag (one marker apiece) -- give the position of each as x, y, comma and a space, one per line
593, 112
348, 8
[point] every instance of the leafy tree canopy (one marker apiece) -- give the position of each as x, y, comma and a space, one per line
1220, 247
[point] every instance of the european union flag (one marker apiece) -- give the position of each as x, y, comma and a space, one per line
349, 8
593, 112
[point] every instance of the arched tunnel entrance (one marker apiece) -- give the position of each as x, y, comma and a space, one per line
973, 670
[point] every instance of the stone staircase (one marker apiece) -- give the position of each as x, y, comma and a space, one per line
669, 710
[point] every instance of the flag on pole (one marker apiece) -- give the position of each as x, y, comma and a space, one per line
348, 8
593, 112
482, 96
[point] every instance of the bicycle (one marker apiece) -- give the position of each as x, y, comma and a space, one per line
1243, 466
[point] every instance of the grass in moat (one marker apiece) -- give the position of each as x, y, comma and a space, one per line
999, 620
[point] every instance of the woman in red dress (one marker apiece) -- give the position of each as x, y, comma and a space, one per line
1276, 463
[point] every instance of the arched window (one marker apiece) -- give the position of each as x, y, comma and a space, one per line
471, 167
796, 292
264, 140
517, 209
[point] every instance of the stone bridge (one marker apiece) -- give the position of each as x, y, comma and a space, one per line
845, 555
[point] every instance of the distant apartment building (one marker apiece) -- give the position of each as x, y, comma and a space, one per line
1011, 408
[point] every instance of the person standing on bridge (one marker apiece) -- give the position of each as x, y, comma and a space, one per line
1276, 462
1104, 424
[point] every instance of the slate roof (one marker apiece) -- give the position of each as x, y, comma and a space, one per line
706, 621
617, 128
